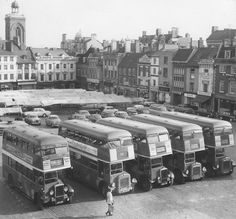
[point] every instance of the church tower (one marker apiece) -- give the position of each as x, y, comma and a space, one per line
15, 26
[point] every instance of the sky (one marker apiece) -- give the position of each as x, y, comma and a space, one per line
47, 20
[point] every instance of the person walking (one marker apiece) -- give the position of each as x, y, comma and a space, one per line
110, 201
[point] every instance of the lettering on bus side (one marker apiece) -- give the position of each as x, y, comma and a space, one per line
82, 147
19, 154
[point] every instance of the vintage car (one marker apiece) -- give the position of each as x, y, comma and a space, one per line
53, 121
79, 116
122, 114
33, 119
144, 110
94, 117
108, 113
131, 111
39, 111
84, 112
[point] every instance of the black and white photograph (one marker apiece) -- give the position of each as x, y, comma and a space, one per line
117, 109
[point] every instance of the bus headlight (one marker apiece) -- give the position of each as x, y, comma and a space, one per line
204, 169
66, 189
51, 192
186, 172
217, 166
134, 180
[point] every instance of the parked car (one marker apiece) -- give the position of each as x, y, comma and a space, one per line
53, 121
144, 110
148, 103
94, 117
108, 113
204, 112
131, 111
79, 116
138, 106
121, 114
33, 119
39, 111
84, 112
109, 108
226, 116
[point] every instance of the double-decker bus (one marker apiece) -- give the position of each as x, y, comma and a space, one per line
151, 144
186, 140
33, 161
97, 153
218, 135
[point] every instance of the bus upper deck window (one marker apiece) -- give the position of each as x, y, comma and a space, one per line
48, 151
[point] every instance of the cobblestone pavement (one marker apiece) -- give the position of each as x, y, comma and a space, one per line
210, 198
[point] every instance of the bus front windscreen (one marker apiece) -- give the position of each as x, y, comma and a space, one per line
192, 134
50, 177
152, 139
190, 157
116, 168
156, 162
163, 137
220, 152
127, 141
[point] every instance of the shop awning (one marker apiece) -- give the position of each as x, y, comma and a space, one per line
201, 99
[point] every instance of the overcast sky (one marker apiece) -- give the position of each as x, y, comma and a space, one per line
47, 20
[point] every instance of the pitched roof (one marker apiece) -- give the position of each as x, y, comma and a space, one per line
202, 53
130, 60
46, 51
182, 55
222, 34
232, 50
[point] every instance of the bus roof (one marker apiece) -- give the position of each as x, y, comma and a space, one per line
200, 120
36, 136
133, 126
94, 129
166, 122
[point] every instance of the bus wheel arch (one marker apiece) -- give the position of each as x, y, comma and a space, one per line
38, 201
145, 184
179, 178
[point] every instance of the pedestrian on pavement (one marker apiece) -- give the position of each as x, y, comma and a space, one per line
110, 201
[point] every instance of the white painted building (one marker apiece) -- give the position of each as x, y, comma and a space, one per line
55, 69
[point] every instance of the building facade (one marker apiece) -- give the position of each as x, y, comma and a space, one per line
55, 69
225, 81
143, 77
128, 74
110, 71
8, 70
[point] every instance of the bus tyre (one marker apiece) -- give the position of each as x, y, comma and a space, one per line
179, 178
210, 171
145, 184
103, 189
10, 181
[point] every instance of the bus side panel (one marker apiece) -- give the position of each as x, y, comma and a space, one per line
84, 174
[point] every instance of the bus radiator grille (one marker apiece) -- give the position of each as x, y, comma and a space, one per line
59, 190
124, 182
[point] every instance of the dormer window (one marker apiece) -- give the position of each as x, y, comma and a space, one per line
227, 54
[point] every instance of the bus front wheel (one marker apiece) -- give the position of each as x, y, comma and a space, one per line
145, 184
179, 178
38, 201
10, 181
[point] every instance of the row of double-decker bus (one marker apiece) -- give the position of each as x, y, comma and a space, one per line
218, 135
154, 149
